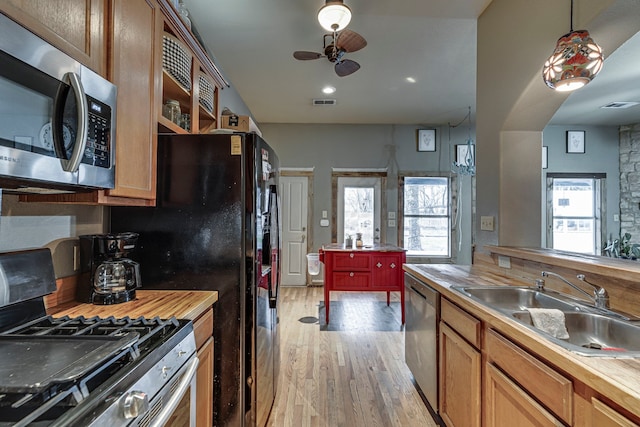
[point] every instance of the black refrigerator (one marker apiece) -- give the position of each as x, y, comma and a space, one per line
216, 226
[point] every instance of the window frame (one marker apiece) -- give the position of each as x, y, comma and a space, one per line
452, 180
599, 208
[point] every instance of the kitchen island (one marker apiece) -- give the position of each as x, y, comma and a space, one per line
558, 385
371, 268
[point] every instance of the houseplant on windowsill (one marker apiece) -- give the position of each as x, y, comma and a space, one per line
627, 250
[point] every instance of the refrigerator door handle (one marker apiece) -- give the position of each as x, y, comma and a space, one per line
274, 284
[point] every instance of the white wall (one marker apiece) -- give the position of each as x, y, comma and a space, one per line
32, 225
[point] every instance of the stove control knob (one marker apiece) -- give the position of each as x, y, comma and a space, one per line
134, 404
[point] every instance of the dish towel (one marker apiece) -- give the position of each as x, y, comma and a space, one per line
549, 320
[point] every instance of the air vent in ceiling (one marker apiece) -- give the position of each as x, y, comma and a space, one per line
620, 104
317, 101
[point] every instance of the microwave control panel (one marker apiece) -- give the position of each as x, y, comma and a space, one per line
99, 138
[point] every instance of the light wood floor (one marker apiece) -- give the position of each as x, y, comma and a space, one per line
352, 375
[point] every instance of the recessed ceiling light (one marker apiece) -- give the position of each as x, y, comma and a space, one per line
328, 89
410, 79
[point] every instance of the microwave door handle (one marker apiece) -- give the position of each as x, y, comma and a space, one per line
80, 144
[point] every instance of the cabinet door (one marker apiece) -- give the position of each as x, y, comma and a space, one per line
135, 68
204, 387
605, 416
507, 405
459, 380
76, 27
386, 271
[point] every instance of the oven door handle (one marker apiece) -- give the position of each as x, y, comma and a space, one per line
186, 382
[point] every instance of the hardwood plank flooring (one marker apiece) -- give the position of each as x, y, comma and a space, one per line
350, 373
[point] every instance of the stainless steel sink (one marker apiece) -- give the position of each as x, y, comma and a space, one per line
593, 334
512, 298
592, 331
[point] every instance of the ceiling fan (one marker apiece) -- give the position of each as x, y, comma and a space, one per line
335, 45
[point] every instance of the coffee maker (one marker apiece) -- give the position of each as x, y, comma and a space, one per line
107, 276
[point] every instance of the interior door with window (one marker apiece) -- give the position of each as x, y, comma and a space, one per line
359, 208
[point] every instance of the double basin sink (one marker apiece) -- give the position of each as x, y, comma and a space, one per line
592, 331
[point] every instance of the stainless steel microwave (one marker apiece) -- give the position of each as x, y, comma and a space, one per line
57, 118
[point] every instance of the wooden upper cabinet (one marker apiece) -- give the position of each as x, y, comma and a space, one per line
77, 27
135, 61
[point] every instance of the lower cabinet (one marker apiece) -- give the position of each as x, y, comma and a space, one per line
507, 405
204, 388
488, 379
203, 330
531, 377
460, 368
602, 415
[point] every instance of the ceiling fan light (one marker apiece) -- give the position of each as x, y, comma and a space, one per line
574, 63
334, 15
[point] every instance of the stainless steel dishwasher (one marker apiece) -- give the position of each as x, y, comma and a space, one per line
421, 336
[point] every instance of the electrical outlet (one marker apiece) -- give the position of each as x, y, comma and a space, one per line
504, 261
486, 223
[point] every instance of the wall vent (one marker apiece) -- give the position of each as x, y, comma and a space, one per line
326, 101
620, 104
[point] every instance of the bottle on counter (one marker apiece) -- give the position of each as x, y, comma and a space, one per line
348, 241
359, 240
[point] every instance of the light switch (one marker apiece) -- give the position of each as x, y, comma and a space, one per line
324, 214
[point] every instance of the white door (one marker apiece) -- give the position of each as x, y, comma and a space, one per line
294, 192
359, 208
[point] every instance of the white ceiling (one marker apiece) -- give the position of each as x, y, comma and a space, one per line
432, 41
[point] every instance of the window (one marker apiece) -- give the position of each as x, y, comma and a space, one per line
574, 212
426, 216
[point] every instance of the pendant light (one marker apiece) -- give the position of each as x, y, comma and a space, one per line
575, 61
334, 15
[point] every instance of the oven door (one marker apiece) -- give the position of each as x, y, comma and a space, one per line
175, 404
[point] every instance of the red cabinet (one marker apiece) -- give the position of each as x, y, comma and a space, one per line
371, 269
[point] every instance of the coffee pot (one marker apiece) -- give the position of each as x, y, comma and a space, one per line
107, 275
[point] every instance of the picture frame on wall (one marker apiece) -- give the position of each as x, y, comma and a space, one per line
426, 140
545, 157
575, 141
462, 157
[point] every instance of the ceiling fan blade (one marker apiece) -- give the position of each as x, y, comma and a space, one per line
304, 55
346, 67
350, 41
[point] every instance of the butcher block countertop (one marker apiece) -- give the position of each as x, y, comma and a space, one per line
164, 304
618, 379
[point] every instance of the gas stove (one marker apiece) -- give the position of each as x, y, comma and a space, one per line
87, 371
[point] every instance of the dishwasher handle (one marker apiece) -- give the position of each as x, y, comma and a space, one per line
423, 290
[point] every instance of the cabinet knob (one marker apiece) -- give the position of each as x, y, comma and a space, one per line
379, 264
351, 255
393, 265
351, 274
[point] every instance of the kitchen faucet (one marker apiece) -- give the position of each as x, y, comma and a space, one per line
600, 296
